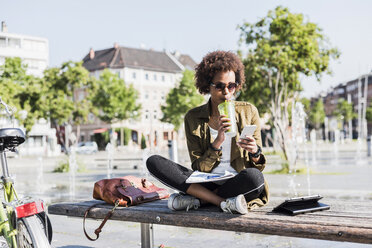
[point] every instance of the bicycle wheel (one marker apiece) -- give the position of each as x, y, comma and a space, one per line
31, 233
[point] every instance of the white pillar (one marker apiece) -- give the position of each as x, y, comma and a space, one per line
350, 126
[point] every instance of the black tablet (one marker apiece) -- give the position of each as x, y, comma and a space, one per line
301, 205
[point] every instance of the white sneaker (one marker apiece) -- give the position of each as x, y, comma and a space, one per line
180, 202
235, 204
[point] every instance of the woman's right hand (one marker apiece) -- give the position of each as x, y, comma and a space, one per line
223, 125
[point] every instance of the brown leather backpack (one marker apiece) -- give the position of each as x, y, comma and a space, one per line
128, 190
124, 191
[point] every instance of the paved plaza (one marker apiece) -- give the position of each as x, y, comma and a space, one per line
341, 172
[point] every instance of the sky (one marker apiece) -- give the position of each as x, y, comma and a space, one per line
193, 27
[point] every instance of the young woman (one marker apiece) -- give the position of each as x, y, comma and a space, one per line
220, 74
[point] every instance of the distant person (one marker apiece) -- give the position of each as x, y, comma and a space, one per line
220, 74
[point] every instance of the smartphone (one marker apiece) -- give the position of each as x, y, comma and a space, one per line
248, 131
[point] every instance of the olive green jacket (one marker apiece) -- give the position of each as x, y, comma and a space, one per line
204, 158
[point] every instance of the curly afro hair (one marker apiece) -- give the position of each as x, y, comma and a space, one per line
214, 62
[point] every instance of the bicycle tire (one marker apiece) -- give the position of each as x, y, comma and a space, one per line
31, 233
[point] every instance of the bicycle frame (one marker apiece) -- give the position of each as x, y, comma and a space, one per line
7, 229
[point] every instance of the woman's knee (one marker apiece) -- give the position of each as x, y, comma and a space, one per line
254, 176
153, 162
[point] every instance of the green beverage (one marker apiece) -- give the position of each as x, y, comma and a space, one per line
228, 108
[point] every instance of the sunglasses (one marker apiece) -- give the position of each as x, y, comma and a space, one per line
222, 86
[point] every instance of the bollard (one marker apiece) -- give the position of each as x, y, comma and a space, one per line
172, 149
369, 146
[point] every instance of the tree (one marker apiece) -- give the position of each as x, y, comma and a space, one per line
30, 102
127, 135
143, 142
181, 99
12, 74
369, 112
344, 112
281, 46
114, 99
61, 104
317, 114
369, 116
21, 91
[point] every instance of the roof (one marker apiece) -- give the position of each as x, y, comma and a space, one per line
187, 62
120, 57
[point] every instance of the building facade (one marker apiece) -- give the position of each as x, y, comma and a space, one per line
153, 74
358, 92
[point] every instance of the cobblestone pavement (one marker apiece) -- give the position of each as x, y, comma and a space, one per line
344, 174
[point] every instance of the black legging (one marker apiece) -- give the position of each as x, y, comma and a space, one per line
249, 182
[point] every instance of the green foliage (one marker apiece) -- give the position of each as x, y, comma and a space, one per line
280, 46
307, 105
12, 74
143, 142
285, 170
64, 166
114, 99
21, 91
181, 99
344, 110
30, 99
13, 69
369, 112
61, 104
317, 114
127, 135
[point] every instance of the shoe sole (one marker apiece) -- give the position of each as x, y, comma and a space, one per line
244, 204
170, 201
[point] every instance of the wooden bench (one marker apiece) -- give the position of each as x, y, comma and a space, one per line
345, 221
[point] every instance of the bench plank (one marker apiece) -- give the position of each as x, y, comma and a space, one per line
345, 221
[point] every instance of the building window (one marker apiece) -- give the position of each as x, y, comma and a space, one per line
16, 43
165, 135
40, 46
163, 78
162, 96
155, 114
2, 42
133, 75
155, 77
147, 76
146, 114
146, 95
34, 45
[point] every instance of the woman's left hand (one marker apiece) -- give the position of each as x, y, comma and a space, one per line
249, 144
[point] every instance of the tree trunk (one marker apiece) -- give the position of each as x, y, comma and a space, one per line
59, 135
77, 133
279, 111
